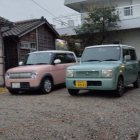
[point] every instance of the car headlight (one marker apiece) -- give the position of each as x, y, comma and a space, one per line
107, 73
69, 73
7, 76
34, 75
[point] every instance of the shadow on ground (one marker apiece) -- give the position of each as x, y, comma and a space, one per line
37, 92
107, 94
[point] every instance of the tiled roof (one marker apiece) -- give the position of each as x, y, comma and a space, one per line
23, 27
4, 22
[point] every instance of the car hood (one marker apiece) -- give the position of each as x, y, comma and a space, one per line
95, 65
29, 68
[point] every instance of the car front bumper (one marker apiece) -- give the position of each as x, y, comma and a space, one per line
93, 84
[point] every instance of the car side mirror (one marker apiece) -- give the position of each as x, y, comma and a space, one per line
127, 57
20, 63
57, 61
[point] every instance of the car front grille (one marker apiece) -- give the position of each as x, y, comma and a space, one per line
87, 74
20, 75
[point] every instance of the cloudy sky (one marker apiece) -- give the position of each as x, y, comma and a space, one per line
16, 10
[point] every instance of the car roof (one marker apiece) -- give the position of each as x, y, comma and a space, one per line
53, 51
114, 45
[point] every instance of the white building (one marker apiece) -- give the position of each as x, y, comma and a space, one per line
129, 25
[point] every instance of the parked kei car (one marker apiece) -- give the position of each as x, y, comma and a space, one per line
40, 70
104, 67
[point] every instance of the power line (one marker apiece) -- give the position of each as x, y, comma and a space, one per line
61, 22
43, 8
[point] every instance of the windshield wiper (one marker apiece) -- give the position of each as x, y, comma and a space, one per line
110, 60
40, 63
37, 64
91, 60
28, 64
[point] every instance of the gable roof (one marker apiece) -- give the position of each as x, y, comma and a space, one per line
23, 27
4, 22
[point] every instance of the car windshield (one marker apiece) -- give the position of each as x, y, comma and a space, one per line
107, 53
38, 58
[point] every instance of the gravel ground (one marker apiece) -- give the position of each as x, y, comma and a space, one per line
59, 116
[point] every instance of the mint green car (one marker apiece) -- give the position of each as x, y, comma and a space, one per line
104, 67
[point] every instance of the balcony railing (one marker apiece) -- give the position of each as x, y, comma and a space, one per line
67, 21
128, 14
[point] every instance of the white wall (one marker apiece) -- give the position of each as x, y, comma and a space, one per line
128, 37
136, 1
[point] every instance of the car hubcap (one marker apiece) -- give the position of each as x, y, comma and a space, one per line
47, 85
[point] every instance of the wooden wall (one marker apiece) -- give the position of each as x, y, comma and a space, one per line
42, 36
46, 39
10, 52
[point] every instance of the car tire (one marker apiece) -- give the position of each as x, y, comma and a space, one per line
73, 92
120, 87
137, 82
46, 86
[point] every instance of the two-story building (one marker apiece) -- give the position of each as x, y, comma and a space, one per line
129, 25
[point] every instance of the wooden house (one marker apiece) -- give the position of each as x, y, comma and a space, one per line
27, 36
3, 22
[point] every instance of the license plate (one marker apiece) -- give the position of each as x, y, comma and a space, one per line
81, 84
15, 85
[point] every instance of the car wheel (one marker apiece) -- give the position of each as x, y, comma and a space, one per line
47, 86
120, 87
13, 92
137, 82
73, 92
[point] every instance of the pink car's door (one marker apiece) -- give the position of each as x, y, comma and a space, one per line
59, 70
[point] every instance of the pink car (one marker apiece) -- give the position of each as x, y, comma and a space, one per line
40, 70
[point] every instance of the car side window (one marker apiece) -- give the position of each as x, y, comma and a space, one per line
66, 58
69, 58
61, 57
132, 54
125, 52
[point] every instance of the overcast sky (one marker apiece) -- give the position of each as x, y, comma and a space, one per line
16, 10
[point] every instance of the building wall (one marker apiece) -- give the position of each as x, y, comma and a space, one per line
26, 39
42, 38
46, 39
1, 63
136, 2
128, 37
10, 52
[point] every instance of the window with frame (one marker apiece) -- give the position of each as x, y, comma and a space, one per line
28, 45
128, 11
